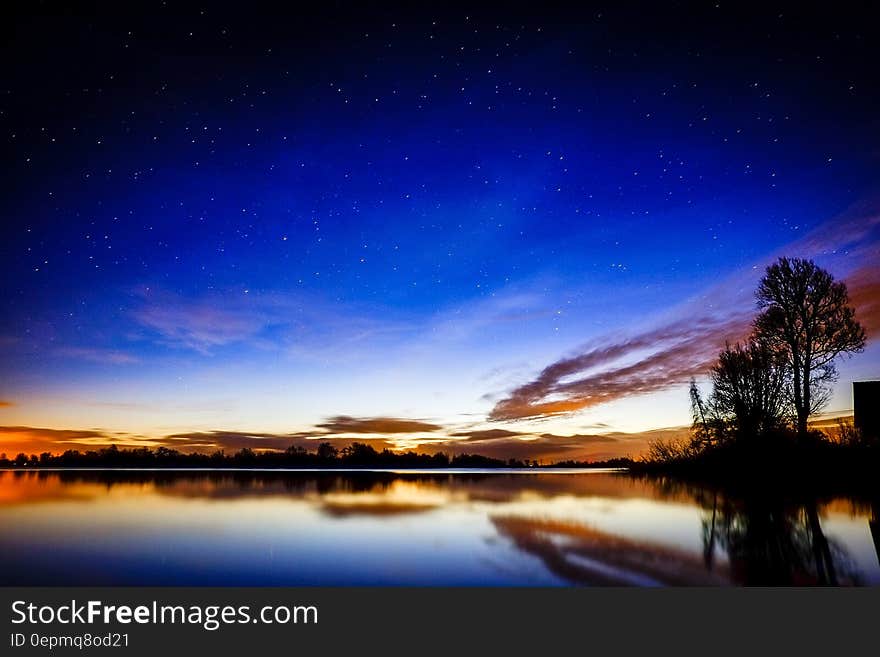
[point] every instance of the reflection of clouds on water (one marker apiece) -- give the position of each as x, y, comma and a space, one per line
399, 497
219, 484
469, 528
587, 556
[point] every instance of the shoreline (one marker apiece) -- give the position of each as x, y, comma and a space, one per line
528, 470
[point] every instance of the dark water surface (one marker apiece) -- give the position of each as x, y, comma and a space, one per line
445, 528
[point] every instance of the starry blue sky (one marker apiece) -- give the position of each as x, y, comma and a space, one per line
254, 221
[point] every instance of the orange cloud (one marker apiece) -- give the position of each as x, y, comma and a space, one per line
347, 424
6, 404
496, 443
671, 354
33, 440
682, 349
549, 447
486, 434
864, 293
209, 441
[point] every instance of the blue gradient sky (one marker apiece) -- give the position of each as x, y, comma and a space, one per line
253, 222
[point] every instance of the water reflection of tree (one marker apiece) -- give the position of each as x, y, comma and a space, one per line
874, 526
771, 536
772, 543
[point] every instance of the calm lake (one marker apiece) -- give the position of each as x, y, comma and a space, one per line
444, 528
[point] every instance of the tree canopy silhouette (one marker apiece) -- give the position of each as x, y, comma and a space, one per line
770, 384
747, 394
806, 314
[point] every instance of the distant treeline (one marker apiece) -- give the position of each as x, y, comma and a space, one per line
326, 455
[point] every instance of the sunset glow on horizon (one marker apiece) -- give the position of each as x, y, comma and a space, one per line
459, 234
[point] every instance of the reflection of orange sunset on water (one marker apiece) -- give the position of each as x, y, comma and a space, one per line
353, 296
321, 527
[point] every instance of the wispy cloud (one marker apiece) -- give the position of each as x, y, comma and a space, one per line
33, 440
687, 343
97, 355
5, 403
201, 324
546, 446
289, 322
57, 435
377, 425
486, 434
513, 305
864, 292
207, 441
686, 349
381, 433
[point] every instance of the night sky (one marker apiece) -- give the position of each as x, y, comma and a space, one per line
515, 232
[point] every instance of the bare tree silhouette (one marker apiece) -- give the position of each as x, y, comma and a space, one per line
807, 314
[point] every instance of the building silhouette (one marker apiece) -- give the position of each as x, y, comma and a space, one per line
866, 407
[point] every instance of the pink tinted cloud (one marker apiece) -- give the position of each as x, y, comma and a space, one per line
201, 324
688, 348
686, 345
